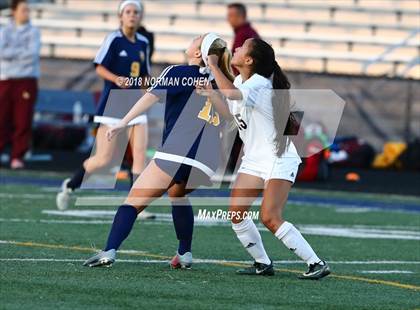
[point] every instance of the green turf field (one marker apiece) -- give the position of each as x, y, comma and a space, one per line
41, 256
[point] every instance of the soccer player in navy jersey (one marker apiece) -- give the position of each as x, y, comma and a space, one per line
123, 55
189, 153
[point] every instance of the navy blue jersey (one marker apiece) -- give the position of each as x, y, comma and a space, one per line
191, 129
123, 58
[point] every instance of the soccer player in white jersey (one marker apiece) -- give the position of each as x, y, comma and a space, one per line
270, 162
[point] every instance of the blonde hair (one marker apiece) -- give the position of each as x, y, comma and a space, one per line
219, 48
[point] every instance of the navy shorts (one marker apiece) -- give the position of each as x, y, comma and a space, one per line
182, 173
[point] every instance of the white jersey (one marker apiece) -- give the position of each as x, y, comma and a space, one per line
254, 118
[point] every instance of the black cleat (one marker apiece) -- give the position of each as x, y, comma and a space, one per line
316, 271
257, 269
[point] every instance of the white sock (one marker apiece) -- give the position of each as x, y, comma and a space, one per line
293, 239
250, 237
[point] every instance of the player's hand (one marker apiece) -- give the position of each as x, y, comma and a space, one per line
115, 130
122, 82
204, 89
212, 60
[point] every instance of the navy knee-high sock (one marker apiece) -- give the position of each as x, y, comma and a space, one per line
77, 179
123, 223
133, 178
183, 217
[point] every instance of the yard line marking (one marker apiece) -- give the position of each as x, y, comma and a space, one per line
111, 200
376, 262
387, 271
91, 222
353, 210
223, 263
298, 196
86, 213
223, 200
355, 231
61, 260
77, 260
144, 253
196, 261
375, 281
25, 196
77, 248
95, 213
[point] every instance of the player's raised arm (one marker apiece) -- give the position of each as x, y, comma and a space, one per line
216, 99
224, 84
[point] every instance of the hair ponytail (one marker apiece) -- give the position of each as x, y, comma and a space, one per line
219, 48
281, 107
225, 64
265, 64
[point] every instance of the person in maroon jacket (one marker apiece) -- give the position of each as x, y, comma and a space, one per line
20, 46
237, 18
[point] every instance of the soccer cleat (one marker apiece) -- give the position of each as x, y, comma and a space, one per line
258, 269
316, 271
63, 198
182, 261
146, 215
102, 259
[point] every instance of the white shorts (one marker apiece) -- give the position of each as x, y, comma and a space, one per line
282, 169
106, 120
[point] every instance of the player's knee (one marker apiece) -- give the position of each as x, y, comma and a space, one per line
237, 218
136, 204
102, 161
175, 193
236, 213
269, 220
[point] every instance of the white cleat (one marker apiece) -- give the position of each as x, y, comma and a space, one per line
101, 259
146, 215
63, 197
182, 261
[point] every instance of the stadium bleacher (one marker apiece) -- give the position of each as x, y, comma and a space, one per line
377, 37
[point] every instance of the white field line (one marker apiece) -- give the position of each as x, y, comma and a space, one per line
163, 217
200, 261
356, 231
69, 260
89, 201
109, 214
386, 271
218, 261
115, 200
197, 222
89, 222
341, 194
222, 261
353, 210
25, 196
222, 201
